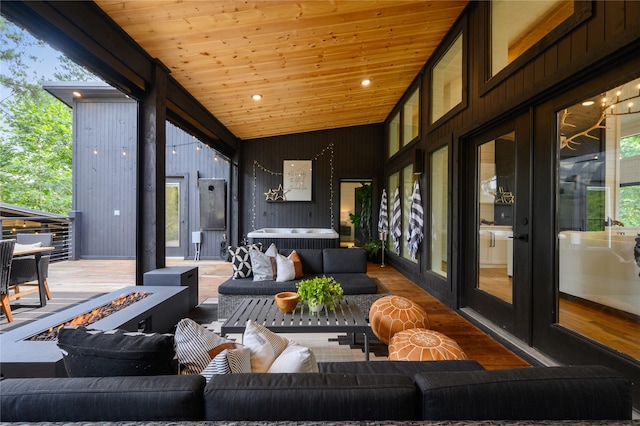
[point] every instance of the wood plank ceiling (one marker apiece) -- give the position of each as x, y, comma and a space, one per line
306, 58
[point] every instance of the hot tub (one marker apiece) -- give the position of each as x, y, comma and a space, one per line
296, 238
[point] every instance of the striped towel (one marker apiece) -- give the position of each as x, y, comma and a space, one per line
383, 218
396, 230
416, 222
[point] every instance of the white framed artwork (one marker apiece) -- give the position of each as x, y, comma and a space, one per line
296, 180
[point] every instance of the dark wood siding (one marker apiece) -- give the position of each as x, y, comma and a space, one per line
357, 153
105, 182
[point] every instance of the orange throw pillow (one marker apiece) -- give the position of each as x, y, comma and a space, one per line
297, 264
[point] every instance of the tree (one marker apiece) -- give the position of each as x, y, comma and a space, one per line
35, 128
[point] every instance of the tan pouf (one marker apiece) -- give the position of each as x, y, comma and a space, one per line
419, 344
391, 314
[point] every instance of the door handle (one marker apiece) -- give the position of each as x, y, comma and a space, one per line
521, 237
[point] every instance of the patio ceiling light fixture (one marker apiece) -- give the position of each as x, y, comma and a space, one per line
365, 82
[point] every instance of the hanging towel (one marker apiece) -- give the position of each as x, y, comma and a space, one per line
383, 217
396, 230
416, 221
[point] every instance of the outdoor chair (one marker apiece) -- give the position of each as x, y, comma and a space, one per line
6, 255
24, 269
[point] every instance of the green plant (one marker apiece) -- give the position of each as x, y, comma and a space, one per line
362, 220
320, 291
373, 246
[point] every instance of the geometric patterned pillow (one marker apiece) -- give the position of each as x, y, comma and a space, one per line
241, 261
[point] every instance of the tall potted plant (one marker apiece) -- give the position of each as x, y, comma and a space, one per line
361, 219
320, 292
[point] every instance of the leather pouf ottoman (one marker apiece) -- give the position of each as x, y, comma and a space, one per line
419, 344
391, 314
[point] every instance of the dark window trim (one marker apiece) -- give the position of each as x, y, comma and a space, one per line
583, 10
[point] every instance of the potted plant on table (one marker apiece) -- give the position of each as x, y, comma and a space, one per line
320, 292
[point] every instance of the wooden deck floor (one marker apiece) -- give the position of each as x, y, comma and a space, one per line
100, 276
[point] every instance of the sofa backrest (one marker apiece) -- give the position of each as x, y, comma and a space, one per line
310, 397
344, 260
311, 259
101, 399
538, 393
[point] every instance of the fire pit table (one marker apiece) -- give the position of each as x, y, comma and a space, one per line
345, 318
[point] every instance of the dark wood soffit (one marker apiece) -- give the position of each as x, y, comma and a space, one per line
85, 34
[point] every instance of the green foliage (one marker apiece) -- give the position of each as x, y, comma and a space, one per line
320, 291
35, 128
362, 220
373, 246
630, 146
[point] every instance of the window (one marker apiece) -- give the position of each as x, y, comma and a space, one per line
411, 118
598, 195
446, 81
439, 204
518, 25
394, 135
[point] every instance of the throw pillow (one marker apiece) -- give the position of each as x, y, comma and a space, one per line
261, 265
264, 344
286, 270
241, 261
229, 361
20, 247
96, 353
193, 343
297, 264
272, 250
295, 359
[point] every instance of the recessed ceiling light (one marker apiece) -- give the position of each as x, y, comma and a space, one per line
588, 103
256, 97
76, 94
365, 82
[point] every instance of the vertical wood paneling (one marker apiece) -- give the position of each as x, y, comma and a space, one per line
105, 182
357, 154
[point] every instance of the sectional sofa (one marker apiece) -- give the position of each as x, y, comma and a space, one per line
349, 391
347, 266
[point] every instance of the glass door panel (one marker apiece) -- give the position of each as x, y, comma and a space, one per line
496, 199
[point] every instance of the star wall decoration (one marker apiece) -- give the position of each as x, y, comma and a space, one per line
276, 194
270, 194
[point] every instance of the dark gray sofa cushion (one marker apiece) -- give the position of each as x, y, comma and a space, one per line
160, 398
406, 368
340, 260
311, 260
311, 397
96, 353
538, 393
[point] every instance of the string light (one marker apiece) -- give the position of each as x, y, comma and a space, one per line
256, 165
124, 152
173, 151
95, 151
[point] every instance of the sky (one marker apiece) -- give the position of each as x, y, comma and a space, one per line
44, 66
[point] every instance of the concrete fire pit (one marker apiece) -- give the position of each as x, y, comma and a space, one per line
160, 311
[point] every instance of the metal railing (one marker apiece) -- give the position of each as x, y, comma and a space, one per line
60, 227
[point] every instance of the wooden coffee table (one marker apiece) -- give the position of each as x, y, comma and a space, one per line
345, 318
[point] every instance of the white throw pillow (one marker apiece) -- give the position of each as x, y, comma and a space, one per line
21, 247
272, 251
286, 270
261, 265
295, 359
193, 343
264, 344
229, 361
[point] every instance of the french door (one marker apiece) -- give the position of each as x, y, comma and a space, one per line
496, 193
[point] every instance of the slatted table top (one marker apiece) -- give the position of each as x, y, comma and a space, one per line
345, 318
